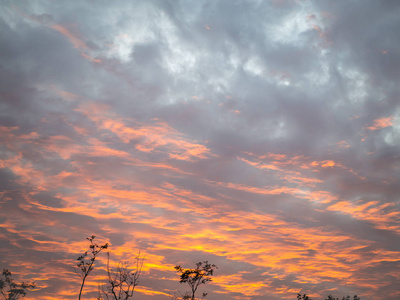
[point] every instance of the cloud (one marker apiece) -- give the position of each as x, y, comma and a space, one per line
151, 136
261, 136
381, 123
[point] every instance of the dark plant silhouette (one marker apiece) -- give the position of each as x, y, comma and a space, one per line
330, 297
355, 297
12, 290
122, 281
185, 296
86, 261
194, 277
304, 297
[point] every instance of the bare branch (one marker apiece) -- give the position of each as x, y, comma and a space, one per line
123, 280
86, 262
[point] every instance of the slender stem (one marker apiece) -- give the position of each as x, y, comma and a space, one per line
83, 283
4, 295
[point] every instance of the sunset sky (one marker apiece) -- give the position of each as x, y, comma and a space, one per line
262, 136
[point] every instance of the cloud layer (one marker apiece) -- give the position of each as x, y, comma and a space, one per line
262, 136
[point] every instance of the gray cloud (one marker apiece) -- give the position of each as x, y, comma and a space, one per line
262, 136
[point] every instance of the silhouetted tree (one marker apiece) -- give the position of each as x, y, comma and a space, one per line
304, 297
87, 259
194, 277
122, 281
12, 290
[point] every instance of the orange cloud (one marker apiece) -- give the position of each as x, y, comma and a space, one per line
323, 164
168, 217
237, 284
259, 165
265, 191
381, 123
76, 40
302, 180
343, 144
72, 37
148, 291
379, 214
150, 137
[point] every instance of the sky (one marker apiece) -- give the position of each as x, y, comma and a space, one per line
261, 136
